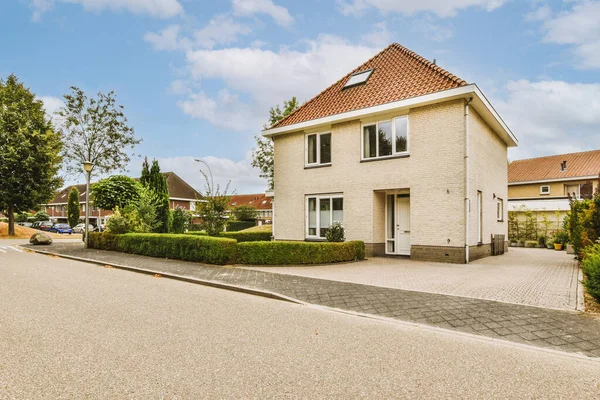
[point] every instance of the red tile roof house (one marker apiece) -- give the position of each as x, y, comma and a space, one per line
410, 158
262, 203
181, 195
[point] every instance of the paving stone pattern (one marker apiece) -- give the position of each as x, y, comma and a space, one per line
560, 330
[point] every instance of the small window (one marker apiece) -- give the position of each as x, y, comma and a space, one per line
385, 138
318, 149
545, 189
358, 78
322, 211
499, 209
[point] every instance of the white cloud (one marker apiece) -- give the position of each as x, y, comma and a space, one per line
269, 77
244, 178
155, 8
51, 105
379, 36
432, 30
578, 27
551, 117
220, 30
442, 8
541, 14
167, 39
250, 7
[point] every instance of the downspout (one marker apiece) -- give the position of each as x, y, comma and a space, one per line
467, 185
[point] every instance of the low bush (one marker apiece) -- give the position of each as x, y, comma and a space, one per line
195, 228
243, 236
591, 268
235, 226
182, 247
335, 233
282, 253
531, 243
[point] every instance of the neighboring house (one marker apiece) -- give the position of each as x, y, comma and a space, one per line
181, 195
410, 158
543, 184
262, 203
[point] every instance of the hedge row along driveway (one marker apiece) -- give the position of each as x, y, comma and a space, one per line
221, 250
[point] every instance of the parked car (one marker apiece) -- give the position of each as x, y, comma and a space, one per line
61, 228
80, 228
45, 226
25, 224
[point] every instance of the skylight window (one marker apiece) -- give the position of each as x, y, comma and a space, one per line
358, 78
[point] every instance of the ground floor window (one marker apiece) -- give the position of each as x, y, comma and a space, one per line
322, 211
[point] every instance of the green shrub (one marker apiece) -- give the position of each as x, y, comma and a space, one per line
531, 243
335, 233
117, 223
235, 226
282, 253
195, 228
198, 233
591, 268
181, 247
180, 220
248, 236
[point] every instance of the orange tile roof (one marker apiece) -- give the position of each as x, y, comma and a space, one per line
258, 201
398, 73
586, 163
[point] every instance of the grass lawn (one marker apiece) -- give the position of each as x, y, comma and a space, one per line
264, 228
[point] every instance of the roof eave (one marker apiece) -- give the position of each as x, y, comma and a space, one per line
481, 104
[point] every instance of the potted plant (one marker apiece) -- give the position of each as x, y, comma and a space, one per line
542, 242
560, 238
550, 243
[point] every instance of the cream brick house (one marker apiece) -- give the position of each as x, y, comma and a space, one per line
410, 158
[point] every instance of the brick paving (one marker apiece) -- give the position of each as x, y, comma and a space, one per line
537, 277
566, 331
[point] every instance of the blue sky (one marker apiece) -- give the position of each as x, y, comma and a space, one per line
180, 66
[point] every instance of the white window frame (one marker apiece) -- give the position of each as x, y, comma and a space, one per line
318, 198
577, 194
394, 152
542, 189
499, 209
318, 158
479, 216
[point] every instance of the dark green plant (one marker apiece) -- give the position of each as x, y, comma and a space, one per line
41, 216
180, 220
234, 226
242, 236
116, 191
561, 236
29, 151
22, 217
157, 184
335, 233
73, 207
245, 213
213, 208
141, 215
145, 176
591, 268
117, 223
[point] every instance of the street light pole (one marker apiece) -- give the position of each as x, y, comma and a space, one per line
212, 183
87, 167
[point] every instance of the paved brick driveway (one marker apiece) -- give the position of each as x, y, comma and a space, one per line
537, 277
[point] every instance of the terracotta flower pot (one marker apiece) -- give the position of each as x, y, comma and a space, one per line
558, 246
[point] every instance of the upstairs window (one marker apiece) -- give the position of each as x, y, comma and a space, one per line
385, 138
499, 209
318, 149
545, 189
358, 78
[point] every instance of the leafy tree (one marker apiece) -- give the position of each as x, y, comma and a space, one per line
213, 209
157, 183
22, 217
116, 191
180, 220
95, 130
141, 215
41, 216
263, 153
245, 213
29, 151
73, 207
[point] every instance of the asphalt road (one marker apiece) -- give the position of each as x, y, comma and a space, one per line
74, 330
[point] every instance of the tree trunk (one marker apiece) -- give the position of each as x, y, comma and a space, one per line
11, 220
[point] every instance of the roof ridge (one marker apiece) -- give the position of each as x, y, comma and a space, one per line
557, 155
446, 74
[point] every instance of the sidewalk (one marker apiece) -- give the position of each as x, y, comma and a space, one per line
554, 329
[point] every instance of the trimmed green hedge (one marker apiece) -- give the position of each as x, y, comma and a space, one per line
235, 226
182, 247
241, 236
282, 253
591, 268
248, 236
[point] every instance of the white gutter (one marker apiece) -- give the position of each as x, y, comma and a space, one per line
481, 104
467, 182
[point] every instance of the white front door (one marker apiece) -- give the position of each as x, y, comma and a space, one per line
397, 224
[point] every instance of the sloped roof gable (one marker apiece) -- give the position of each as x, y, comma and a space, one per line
584, 164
